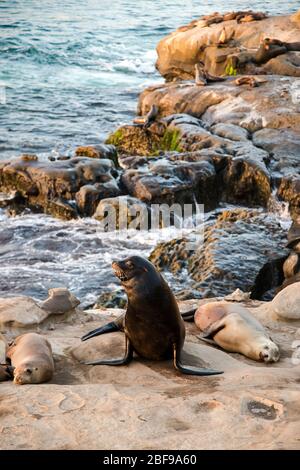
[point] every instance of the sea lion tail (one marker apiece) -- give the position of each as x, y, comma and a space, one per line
190, 370
189, 315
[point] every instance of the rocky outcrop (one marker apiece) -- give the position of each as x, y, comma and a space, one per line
53, 186
122, 212
229, 46
255, 138
98, 151
25, 312
233, 251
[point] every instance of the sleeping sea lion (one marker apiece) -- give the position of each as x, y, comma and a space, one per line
233, 328
153, 325
31, 356
286, 304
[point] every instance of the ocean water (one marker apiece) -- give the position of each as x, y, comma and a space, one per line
70, 73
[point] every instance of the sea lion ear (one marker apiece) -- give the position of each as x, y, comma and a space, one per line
145, 269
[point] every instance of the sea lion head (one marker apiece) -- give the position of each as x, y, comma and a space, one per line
269, 352
31, 373
132, 269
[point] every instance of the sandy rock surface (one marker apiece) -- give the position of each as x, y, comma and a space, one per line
182, 49
149, 405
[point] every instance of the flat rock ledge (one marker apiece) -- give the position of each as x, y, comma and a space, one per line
148, 405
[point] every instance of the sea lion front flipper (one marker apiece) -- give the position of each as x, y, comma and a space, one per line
190, 370
117, 325
115, 362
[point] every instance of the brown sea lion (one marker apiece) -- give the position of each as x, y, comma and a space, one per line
251, 81
145, 121
31, 356
233, 328
202, 76
153, 325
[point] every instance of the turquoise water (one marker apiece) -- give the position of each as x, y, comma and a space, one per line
72, 70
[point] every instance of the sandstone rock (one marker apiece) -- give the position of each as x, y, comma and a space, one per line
89, 195
20, 312
124, 210
60, 301
269, 114
182, 49
53, 186
289, 190
3, 346
216, 267
116, 299
98, 151
133, 140
173, 180
137, 402
230, 131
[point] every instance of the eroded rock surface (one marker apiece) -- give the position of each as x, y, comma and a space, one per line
148, 405
215, 41
233, 251
53, 186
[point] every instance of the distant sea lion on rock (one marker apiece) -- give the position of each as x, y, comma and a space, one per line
145, 121
202, 77
246, 81
233, 328
153, 328
31, 356
247, 17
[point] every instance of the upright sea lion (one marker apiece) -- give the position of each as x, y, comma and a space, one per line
153, 325
31, 356
202, 76
145, 121
232, 327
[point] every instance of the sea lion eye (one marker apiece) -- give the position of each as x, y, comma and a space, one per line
129, 264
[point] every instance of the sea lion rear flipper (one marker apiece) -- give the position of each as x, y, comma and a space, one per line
190, 370
207, 340
115, 362
189, 315
117, 325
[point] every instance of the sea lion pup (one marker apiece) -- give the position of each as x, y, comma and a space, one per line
232, 327
153, 328
31, 356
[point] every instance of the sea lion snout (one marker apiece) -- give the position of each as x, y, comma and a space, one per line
119, 268
270, 353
